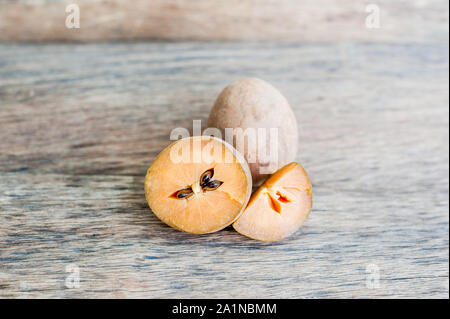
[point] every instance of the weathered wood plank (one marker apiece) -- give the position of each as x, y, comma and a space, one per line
80, 124
306, 20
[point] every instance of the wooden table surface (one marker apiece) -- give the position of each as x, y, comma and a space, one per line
80, 124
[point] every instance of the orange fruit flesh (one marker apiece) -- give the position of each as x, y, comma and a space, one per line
279, 206
204, 211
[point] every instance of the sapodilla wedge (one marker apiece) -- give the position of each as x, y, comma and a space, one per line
278, 207
198, 185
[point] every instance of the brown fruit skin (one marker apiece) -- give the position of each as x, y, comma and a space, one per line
254, 103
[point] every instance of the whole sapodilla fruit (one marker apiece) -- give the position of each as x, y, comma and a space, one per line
251, 106
198, 185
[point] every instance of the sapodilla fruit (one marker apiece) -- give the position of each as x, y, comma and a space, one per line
278, 207
198, 185
247, 108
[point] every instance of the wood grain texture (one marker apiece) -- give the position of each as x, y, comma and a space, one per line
80, 124
306, 20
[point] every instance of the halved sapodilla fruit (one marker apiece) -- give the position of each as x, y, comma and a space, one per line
279, 207
198, 185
